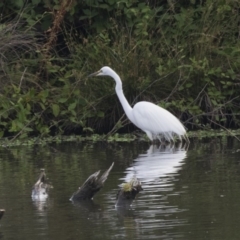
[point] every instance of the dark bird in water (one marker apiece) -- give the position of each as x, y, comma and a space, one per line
91, 186
128, 192
2, 211
41, 187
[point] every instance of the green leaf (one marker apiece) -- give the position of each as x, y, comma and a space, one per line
72, 106
55, 109
28, 107
42, 106
62, 100
88, 129
214, 102
36, 2
188, 85
87, 12
28, 129
73, 113
19, 3
23, 135
100, 114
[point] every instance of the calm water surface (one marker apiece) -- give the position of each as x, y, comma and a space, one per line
188, 193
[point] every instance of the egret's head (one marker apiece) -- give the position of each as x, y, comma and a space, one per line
104, 71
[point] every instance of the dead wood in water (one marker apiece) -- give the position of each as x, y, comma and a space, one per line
2, 211
41, 187
128, 192
91, 186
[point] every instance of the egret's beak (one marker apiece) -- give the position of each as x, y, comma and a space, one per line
94, 74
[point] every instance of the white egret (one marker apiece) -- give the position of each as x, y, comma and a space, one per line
155, 121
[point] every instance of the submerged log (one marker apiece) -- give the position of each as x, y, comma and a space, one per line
2, 211
128, 192
91, 186
41, 187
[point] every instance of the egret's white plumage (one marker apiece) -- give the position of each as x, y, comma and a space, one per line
155, 121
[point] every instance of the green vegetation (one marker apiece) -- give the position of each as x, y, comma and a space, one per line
181, 55
114, 138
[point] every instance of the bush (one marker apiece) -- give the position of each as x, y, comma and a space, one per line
182, 56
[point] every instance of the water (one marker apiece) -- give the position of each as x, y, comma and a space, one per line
188, 193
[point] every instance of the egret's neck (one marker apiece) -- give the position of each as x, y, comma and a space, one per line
127, 108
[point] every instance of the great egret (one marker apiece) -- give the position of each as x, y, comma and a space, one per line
155, 121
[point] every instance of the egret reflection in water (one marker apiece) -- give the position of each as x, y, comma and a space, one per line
158, 171
158, 162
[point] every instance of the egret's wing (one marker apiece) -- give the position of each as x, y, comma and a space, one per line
157, 120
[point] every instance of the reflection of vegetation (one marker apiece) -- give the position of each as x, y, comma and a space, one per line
181, 55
